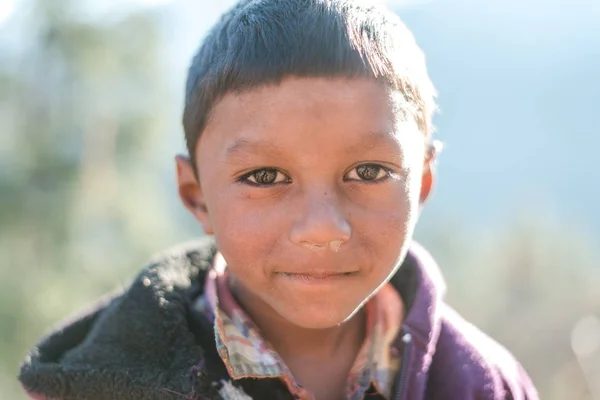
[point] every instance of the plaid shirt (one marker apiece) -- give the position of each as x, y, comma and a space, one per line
246, 354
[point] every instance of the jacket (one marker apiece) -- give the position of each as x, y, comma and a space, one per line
145, 342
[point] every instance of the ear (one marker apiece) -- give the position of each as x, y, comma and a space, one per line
428, 178
190, 192
426, 183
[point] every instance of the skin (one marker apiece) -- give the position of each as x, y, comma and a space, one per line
312, 189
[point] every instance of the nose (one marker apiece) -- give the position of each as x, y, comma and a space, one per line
321, 223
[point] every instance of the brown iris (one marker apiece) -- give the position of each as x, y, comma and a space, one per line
368, 172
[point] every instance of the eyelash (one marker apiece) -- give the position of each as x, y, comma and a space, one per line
246, 177
387, 174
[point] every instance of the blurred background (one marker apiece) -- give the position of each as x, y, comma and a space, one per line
90, 99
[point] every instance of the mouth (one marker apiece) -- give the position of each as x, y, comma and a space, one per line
317, 277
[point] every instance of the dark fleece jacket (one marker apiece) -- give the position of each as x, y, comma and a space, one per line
147, 343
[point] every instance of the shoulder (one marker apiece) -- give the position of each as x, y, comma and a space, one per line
140, 342
469, 361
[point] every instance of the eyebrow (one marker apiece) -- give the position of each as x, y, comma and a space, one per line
243, 145
373, 140
370, 141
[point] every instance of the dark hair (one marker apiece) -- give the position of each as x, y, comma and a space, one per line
260, 42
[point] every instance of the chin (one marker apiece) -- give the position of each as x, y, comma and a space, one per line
319, 319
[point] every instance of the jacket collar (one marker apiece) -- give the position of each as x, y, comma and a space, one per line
420, 282
141, 344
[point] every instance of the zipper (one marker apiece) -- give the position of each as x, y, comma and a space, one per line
406, 342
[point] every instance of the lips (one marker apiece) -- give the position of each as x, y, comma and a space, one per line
316, 277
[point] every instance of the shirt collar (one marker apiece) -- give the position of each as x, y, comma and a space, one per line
246, 354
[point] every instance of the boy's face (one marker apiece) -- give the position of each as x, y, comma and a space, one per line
312, 189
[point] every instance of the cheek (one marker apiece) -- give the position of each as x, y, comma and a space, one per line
387, 228
392, 206
246, 231
387, 234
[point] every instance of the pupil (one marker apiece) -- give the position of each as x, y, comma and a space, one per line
367, 172
265, 176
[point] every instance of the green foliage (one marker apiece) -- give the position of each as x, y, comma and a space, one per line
80, 106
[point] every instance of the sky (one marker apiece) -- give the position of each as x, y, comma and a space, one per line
7, 7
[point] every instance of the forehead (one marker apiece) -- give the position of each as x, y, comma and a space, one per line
339, 111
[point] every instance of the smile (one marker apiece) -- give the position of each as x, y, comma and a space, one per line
316, 278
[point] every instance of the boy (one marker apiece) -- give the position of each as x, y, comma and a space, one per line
308, 127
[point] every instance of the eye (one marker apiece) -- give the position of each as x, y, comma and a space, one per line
368, 173
265, 177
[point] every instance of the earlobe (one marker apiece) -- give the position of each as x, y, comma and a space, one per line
190, 192
426, 183
428, 178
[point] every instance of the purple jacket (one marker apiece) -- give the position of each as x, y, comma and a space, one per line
147, 343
